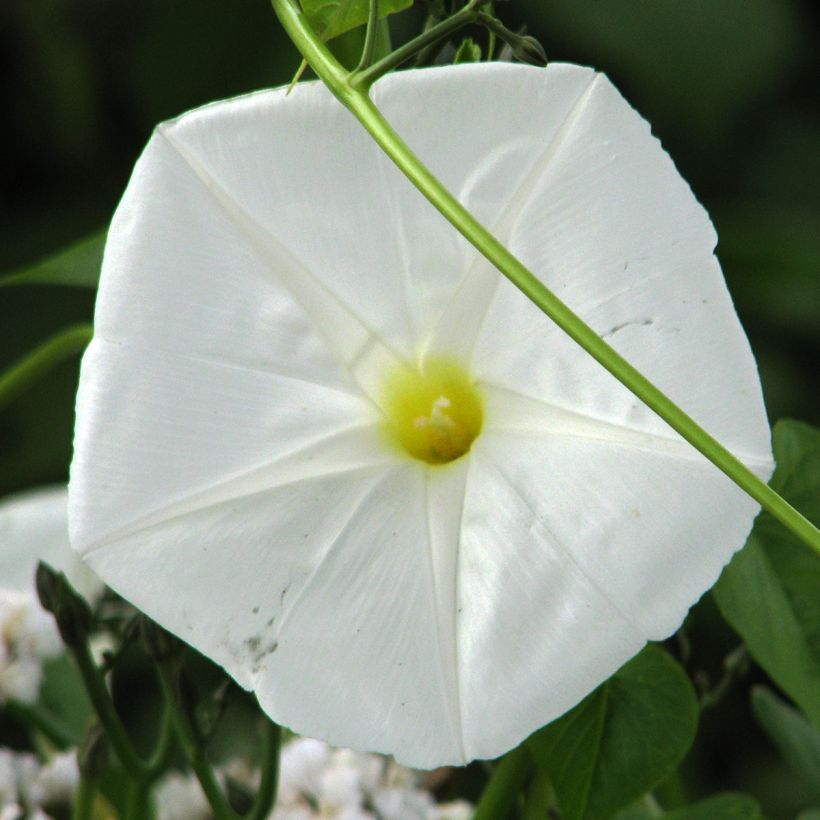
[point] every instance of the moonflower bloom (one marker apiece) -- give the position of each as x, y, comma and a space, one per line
34, 527
327, 444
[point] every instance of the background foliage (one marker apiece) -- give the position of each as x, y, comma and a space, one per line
729, 87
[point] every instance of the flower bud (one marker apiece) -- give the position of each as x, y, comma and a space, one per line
71, 612
528, 50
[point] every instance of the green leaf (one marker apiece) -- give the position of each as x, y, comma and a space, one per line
77, 266
727, 806
330, 18
768, 593
797, 742
809, 814
62, 693
621, 740
468, 52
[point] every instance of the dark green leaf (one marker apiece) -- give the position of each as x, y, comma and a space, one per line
797, 742
62, 693
78, 266
621, 740
728, 806
330, 18
768, 593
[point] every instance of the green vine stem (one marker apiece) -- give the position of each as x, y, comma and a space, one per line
371, 35
32, 367
352, 91
161, 756
191, 746
104, 707
500, 795
35, 716
266, 795
364, 76
83, 808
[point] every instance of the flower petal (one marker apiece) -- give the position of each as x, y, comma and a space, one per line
161, 434
591, 545
325, 609
612, 228
34, 527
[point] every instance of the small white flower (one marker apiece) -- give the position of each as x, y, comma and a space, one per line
28, 636
178, 796
18, 772
322, 440
317, 781
456, 810
404, 804
57, 781
300, 769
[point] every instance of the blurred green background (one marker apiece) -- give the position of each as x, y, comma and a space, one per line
730, 87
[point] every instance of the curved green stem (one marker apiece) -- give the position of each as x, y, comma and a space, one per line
509, 777
197, 758
266, 796
32, 367
83, 808
161, 756
104, 707
371, 35
137, 801
351, 91
44, 722
364, 77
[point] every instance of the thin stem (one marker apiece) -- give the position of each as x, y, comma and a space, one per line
364, 78
43, 721
137, 803
161, 755
734, 666
197, 758
83, 808
104, 707
351, 91
32, 367
266, 796
370, 37
508, 779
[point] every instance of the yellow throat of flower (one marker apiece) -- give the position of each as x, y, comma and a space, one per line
433, 413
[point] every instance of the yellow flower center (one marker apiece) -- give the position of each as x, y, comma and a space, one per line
434, 413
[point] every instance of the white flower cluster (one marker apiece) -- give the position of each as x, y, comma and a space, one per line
27, 788
28, 636
318, 781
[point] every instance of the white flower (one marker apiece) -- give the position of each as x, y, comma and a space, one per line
34, 527
57, 781
287, 333
317, 781
28, 636
18, 771
179, 796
